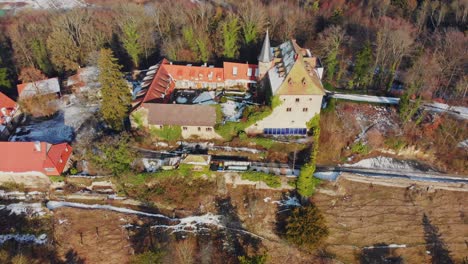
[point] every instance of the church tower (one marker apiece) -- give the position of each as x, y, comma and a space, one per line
265, 58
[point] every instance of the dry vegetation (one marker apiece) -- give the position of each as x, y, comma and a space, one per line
362, 215
433, 139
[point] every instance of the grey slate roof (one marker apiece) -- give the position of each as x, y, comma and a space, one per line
180, 114
265, 53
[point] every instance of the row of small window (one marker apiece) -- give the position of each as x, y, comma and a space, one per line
285, 131
208, 129
305, 109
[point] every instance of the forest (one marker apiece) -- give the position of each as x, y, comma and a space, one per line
381, 47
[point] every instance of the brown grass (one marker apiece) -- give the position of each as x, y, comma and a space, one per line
361, 215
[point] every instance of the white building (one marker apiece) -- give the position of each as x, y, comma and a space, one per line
293, 76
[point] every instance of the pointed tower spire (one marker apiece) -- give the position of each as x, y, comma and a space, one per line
265, 54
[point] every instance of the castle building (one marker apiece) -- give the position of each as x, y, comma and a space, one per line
292, 75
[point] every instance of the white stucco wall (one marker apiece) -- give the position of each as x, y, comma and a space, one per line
194, 131
296, 118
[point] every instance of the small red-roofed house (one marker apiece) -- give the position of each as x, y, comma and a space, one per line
33, 157
8, 108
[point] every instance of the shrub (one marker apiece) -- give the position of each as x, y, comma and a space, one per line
306, 227
306, 182
40, 105
148, 257
12, 186
138, 118
360, 148
57, 178
256, 259
395, 143
114, 155
271, 180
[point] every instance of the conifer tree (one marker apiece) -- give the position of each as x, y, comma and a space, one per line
130, 41
231, 30
116, 96
362, 67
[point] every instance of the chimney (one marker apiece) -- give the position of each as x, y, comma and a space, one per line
37, 145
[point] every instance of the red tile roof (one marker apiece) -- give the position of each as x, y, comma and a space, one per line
41, 157
243, 71
7, 107
195, 73
166, 74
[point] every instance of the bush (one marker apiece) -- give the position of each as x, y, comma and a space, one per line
138, 118
271, 180
148, 257
256, 259
306, 227
112, 155
306, 182
12, 186
360, 148
40, 105
395, 143
57, 178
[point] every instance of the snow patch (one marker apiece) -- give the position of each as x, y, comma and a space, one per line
385, 163
232, 110
42, 4
29, 209
289, 201
459, 111
367, 98
387, 246
463, 144
194, 223
52, 205
24, 238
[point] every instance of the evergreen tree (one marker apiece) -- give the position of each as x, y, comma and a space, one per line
130, 41
306, 227
362, 66
231, 29
331, 62
116, 96
4, 78
41, 56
